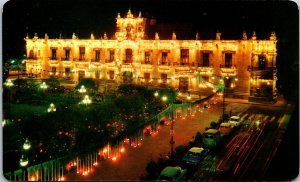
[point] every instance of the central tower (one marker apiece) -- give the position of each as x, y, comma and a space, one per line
130, 27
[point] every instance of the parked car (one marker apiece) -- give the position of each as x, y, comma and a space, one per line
172, 174
225, 128
235, 121
195, 155
212, 138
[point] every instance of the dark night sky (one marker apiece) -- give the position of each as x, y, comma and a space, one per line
98, 16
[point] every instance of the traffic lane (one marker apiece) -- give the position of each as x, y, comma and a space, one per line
131, 165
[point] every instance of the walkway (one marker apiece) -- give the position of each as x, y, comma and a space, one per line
131, 165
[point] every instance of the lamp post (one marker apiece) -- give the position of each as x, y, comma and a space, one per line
26, 145
86, 100
164, 99
82, 89
44, 86
8, 83
24, 159
51, 108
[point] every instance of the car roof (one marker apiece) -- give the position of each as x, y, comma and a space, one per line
235, 117
170, 171
196, 149
212, 131
225, 124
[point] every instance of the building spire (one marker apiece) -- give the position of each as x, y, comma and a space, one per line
156, 36
27, 37
254, 35
273, 36
129, 14
74, 36
140, 14
197, 36
218, 35
173, 36
119, 16
92, 36
105, 36
244, 35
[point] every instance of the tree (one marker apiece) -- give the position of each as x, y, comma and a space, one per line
213, 125
180, 151
88, 83
151, 169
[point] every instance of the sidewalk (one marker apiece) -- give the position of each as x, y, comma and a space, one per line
280, 102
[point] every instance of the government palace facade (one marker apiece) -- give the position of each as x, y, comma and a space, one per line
245, 66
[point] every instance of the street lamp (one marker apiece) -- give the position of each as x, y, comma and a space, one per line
44, 86
26, 145
8, 83
188, 97
23, 161
51, 108
164, 99
82, 89
86, 100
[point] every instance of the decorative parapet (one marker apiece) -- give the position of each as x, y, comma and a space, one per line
164, 68
205, 70
82, 65
127, 67
182, 68
228, 71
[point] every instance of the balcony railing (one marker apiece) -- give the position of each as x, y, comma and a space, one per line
53, 58
65, 59
263, 74
109, 61
228, 71
32, 57
95, 60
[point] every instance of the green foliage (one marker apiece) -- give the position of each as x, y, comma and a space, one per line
198, 137
20, 83
52, 82
25, 110
213, 125
152, 169
180, 150
88, 83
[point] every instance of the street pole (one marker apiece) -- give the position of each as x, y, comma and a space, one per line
172, 134
223, 102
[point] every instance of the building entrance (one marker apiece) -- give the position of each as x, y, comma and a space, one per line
127, 77
81, 75
183, 83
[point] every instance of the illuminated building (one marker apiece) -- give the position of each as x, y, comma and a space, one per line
248, 65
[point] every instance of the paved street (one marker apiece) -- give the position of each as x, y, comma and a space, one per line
131, 165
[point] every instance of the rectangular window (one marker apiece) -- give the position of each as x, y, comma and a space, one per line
67, 54
228, 60
111, 55
111, 75
147, 77
128, 54
97, 55
81, 53
164, 78
205, 58
164, 56
53, 69
53, 56
67, 72
184, 55
147, 57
